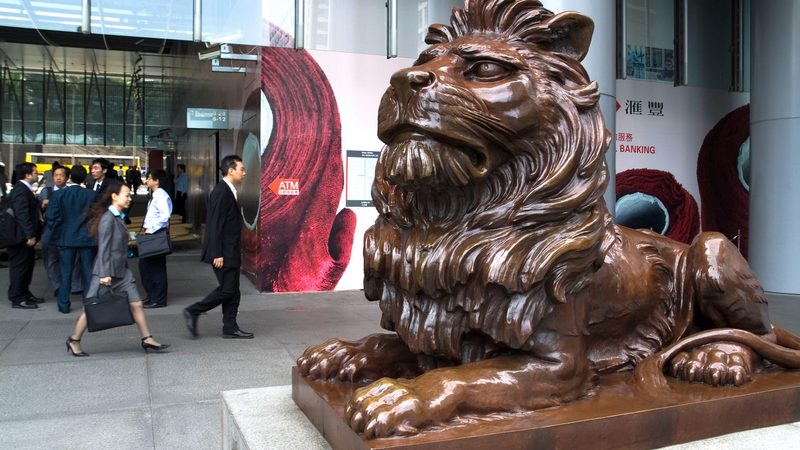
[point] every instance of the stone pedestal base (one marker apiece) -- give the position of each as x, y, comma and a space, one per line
262, 418
612, 417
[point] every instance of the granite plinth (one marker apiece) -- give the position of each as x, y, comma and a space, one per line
265, 418
611, 417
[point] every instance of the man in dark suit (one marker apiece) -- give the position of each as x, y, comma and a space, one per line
222, 248
133, 178
99, 168
21, 257
67, 220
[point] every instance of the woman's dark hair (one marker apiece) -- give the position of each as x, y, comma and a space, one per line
100, 206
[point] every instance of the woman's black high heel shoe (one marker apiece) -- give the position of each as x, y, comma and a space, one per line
70, 350
157, 348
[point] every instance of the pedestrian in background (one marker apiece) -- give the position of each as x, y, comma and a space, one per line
99, 169
67, 217
47, 177
222, 248
21, 257
153, 269
181, 191
50, 256
111, 264
134, 178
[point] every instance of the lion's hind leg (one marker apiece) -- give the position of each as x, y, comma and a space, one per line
726, 295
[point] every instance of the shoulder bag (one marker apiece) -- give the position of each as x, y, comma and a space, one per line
154, 244
109, 309
10, 231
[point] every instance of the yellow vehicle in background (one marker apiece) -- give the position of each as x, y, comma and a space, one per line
44, 161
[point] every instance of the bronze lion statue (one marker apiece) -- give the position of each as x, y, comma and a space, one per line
495, 260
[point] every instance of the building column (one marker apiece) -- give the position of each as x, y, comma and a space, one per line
600, 63
774, 249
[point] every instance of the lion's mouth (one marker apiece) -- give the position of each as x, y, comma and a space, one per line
476, 157
416, 160
424, 158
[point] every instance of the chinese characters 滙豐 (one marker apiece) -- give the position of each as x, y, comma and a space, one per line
636, 108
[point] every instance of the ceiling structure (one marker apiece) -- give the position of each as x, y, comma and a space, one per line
75, 52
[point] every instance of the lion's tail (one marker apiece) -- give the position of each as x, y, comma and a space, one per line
649, 374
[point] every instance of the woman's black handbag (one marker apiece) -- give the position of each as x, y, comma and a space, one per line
153, 244
109, 309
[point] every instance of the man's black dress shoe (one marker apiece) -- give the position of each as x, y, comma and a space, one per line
25, 304
238, 334
34, 299
191, 322
153, 305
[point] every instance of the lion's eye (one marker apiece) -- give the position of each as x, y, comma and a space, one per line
488, 71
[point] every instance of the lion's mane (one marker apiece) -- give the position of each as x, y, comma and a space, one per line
465, 271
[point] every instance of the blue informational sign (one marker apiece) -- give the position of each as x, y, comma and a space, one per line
207, 118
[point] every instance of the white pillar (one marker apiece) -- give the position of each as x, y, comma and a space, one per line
601, 65
774, 248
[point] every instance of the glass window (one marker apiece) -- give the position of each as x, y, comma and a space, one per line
75, 107
650, 52
95, 106
157, 106
359, 26
355, 26
114, 111
746, 45
32, 95
56, 15
248, 22
708, 43
12, 106
414, 18
161, 19
54, 110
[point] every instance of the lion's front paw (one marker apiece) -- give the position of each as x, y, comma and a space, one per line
386, 407
714, 365
334, 358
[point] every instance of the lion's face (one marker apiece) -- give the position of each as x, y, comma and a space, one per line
460, 111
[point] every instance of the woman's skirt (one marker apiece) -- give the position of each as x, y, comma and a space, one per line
125, 284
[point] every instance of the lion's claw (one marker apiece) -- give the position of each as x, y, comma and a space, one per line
384, 408
328, 360
713, 366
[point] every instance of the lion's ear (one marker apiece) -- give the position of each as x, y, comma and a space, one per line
571, 34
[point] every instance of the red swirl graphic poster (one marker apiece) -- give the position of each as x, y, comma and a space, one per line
301, 242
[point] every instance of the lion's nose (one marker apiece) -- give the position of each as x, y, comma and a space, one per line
413, 79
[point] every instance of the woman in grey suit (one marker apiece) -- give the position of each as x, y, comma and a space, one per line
111, 264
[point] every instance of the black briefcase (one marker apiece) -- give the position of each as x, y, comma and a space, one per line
153, 244
109, 309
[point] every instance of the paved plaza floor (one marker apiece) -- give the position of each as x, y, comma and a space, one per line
122, 398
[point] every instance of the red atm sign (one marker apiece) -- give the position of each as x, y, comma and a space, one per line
285, 186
